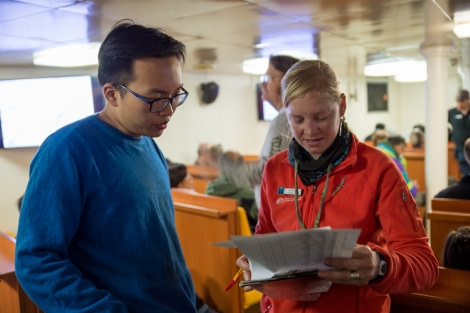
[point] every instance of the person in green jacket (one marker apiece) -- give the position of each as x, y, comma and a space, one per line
232, 183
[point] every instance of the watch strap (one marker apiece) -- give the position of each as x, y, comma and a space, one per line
382, 268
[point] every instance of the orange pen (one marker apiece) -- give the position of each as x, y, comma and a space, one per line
234, 279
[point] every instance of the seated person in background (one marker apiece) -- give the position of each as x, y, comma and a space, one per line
208, 154
461, 189
215, 152
393, 146
232, 183
179, 176
417, 137
378, 126
457, 249
203, 154
379, 136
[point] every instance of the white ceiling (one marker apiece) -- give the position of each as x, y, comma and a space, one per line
224, 32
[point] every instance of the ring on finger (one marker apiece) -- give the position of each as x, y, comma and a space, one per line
354, 276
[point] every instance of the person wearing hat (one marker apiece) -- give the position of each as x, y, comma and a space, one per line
459, 118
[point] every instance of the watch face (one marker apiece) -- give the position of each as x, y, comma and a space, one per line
382, 268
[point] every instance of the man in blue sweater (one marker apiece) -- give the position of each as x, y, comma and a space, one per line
96, 230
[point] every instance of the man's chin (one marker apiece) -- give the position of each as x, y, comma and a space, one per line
154, 134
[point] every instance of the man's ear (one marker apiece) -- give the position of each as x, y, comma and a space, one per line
111, 94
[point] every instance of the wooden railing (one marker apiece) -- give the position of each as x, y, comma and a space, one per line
12, 297
416, 166
452, 163
250, 158
446, 215
202, 175
450, 205
450, 294
200, 221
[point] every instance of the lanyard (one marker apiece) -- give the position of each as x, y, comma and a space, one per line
322, 200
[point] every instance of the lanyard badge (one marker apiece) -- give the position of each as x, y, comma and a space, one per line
288, 191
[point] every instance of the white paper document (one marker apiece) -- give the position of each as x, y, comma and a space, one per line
277, 254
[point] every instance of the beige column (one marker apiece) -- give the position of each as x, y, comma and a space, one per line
436, 49
465, 67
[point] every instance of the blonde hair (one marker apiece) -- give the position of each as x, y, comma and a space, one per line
309, 77
378, 136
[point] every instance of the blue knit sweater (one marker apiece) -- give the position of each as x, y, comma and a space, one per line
96, 230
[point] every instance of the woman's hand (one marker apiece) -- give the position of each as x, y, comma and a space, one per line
295, 289
242, 262
357, 270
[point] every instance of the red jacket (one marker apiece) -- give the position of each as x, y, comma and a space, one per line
366, 191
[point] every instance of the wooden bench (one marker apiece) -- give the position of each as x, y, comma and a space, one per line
202, 175
201, 220
12, 297
446, 215
250, 158
416, 164
450, 205
453, 168
450, 294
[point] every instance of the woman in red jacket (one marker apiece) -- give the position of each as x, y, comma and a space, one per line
341, 182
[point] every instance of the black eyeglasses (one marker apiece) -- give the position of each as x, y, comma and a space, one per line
159, 104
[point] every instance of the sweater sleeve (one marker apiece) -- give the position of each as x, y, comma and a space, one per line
49, 218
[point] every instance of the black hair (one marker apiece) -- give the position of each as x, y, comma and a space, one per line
127, 42
457, 249
282, 62
396, 140
379, 126
420, 127
462, 95
177, 172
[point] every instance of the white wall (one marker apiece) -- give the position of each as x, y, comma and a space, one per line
231, 120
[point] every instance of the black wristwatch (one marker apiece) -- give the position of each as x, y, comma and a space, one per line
382, 268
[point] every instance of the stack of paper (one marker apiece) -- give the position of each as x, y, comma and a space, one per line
291, 259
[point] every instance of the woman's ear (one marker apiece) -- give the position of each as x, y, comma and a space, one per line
111, 94
342, 104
